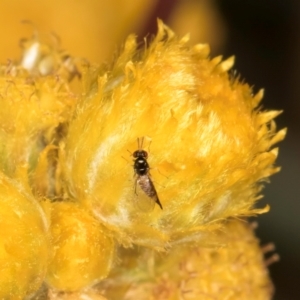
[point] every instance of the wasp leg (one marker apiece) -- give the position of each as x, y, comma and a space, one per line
135, 187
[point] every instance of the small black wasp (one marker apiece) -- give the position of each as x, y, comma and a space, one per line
142, 172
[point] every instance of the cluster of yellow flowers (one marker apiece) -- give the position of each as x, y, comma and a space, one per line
75, 219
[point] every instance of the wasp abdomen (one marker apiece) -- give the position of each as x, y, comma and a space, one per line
147, 186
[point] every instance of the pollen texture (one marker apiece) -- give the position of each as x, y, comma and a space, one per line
235, 270
81, 253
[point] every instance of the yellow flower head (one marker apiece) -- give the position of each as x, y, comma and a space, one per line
236, 271
24, 241
82, 255
31, 110
209, 147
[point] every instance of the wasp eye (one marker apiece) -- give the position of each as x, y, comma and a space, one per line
145, 154
135, 154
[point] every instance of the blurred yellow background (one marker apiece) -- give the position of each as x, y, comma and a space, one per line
91, 29
94, 29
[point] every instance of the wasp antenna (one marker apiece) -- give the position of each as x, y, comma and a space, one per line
140, 143
149, 145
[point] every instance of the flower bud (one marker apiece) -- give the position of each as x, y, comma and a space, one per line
82, 253
24, 241
209, 146
233, 270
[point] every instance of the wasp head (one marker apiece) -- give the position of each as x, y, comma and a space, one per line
140, 154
